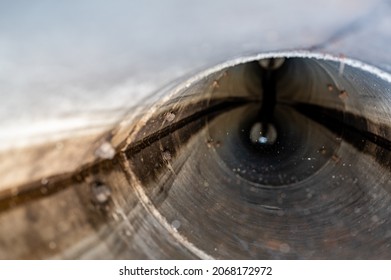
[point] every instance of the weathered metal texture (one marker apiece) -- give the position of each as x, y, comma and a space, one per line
79, 79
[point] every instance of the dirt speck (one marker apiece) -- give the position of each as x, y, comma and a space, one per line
343, 95
211, 143
336, 158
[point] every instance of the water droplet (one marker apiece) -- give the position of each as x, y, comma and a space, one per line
101, 193
44, 181
166, 155
212, 143
169, 117
285, 248
263, 135
176, 224
375, 219
105, 151
215, 84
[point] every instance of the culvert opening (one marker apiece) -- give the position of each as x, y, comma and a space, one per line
273, 152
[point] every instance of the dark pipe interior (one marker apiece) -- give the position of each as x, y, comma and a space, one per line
318, 186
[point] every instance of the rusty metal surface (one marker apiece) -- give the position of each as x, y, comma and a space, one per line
78, 80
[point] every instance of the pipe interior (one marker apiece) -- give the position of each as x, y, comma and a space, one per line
321, 190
